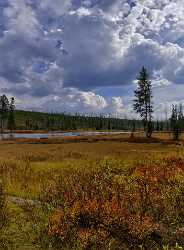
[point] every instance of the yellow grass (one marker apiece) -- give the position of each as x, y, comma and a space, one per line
31, 164
28, 168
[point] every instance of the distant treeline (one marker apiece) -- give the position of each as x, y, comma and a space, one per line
28, 120
13, 119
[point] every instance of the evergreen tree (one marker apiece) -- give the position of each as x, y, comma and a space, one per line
143, 101
157, 126
176, 121
11, 117
4, 108
180, 117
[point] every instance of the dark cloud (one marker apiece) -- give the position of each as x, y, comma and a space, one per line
88, 63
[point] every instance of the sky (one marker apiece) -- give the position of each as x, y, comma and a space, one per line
84, 55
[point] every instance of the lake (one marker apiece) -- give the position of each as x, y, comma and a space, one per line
57, 134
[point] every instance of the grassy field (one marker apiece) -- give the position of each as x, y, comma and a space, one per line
105, 192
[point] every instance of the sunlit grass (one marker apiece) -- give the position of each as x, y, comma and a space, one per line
84, 177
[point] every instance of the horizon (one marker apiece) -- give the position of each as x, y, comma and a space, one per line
84, 55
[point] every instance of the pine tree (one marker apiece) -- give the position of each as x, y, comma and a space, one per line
4, 108
11, 117
176, 121
180, 117
143, 100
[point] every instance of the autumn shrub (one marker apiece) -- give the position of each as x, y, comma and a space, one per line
110, 205
4, 241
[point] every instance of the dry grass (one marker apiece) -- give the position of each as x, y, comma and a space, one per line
83, 175
103, 144
28, 165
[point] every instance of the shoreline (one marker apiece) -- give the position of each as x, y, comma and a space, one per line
6, 132
76, 131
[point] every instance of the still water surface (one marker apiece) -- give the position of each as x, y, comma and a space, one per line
56, 134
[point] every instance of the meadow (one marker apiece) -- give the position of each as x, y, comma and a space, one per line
100, 192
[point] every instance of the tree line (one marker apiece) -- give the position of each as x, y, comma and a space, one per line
51, 121
12, 119
29, 120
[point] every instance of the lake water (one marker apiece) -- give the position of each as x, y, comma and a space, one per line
56, 134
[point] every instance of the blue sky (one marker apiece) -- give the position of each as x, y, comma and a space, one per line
84, 55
